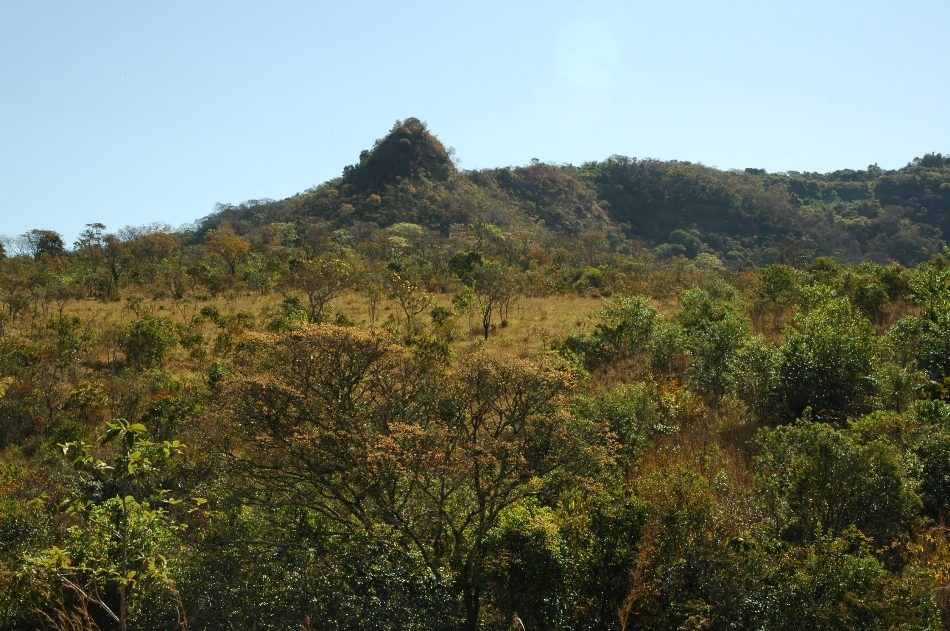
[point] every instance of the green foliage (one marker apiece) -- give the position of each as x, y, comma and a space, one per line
867, 293
931, 447
117, 574
409, 151
113, 555
923, 435
496, 288
273, 569
624, 328
43, 243
71, 339
696, 555
819, 479
826, 362
925, 339
148, 341
290, 317
464, 264
633, 413
321, 280
398, 437
834, 582
754, 368
529, 566
26, 525
668, 349
714, 330
778, 287
599, 529
679, 208
211, 313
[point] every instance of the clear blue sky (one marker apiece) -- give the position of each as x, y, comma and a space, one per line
132, 112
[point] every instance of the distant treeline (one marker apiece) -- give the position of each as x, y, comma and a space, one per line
679, 208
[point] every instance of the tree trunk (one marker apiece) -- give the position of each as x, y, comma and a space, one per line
471, 596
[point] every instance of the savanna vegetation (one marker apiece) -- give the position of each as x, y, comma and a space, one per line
627, 395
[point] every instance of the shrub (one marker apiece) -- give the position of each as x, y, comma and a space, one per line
148, 341
820, 478
826, 362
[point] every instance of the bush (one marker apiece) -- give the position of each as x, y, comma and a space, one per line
528, 567
291, 317
818, 478
623, 331
826, 362
148, 341
633, 413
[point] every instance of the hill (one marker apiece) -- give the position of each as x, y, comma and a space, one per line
677, 208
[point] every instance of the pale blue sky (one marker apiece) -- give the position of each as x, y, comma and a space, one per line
133, 112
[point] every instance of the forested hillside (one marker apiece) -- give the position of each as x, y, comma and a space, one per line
679, 208
626, 395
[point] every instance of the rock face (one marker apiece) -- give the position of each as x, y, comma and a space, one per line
408, 151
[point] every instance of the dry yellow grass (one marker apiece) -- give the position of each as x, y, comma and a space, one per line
533, 322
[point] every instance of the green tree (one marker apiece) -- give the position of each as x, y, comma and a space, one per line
227, 246
820, 478
624, 328
117, 257
715, 329
926, 338
321, 280
755, 370
43, 243
411, 296
496, 287
370, 435
778, 289
115, 553
826, 362
148, 340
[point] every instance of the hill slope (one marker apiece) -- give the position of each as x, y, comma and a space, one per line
678, 208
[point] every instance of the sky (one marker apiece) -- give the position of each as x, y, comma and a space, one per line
129, 113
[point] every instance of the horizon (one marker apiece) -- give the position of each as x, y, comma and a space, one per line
133, 115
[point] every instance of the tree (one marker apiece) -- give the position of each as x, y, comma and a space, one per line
372, 281
623, 331
89, 243
378, 439
923, 435
314, 238
826, 362
148, 340
495, 287
116, 254
228, 246
138, 252
821, 478
930, 344
88, 248
413, 299
778, 290
321, 280
715, 329
116, 552
43, 243
754, 369
591, 246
